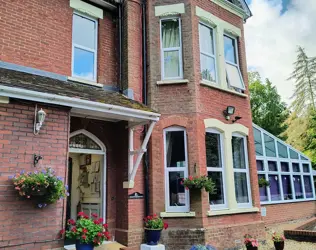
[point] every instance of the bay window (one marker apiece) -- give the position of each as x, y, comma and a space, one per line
241, 170
233, 74
207, 53
215, 167
176, 168
171, 48
84, 47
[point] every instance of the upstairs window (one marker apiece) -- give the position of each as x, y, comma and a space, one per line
171, 48
84, 47
207, 53
233, 75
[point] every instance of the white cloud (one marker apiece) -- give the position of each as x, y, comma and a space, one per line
272, 39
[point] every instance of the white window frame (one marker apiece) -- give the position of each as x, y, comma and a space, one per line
75, 45
181, 209
291, 173
246, 170
171, 49
207, 54
234, 64
222, 170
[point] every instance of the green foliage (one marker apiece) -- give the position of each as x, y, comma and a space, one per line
44, 186
263, 182
200, 183
278, 237
304, 75
268, 111
154, 222
87, 230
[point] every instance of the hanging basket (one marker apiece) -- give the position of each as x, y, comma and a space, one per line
41, 192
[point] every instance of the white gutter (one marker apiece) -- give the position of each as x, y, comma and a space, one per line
31, 95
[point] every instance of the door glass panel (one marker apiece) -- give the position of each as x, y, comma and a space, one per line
298, 187
176, 189
274, 188
263, 190
287, 187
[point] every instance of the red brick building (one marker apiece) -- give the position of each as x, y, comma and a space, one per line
134, 94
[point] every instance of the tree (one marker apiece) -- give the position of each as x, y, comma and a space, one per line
268, 111
304, 75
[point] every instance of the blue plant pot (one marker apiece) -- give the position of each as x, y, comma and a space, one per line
152, 236
83, 246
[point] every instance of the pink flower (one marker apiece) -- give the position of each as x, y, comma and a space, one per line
190, 178
94, 215
17, 188
28, 197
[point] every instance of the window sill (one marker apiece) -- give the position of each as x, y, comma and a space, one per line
176, 215
233, 211
213, 85
169, 82
87, 82
266, 203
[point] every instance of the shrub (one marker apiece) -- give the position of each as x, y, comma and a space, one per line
200, 183
154, 222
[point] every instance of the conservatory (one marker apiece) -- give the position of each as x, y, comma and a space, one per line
286, 173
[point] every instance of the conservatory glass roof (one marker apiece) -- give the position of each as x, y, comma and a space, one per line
284, 173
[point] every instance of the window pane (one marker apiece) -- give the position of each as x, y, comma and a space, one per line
260, 166
293, 154
206, 39
287, 187
282, 150
171, 63
306, 168
303, 158
213, 150
208, 68
230, 51
234, 77
272, 165
298, 187
241, 189
258, 141
308, 187
84, 31
218, 198
263, 190
274, 188
176, 189
285, 167
269, 146
175, 149
296, 167
238, 152
83, 64
170, 33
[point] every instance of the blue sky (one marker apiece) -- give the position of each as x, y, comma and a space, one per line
272, 35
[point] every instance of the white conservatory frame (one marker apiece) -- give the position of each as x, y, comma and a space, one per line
302, 159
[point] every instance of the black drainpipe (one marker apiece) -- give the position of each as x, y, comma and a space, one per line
146, 155
120, 30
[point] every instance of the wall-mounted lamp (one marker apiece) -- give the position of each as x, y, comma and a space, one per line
38, 120
237, 118
230, 110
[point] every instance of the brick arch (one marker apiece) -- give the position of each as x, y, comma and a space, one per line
176, 120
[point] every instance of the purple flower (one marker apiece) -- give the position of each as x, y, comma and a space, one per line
36, 172
40, 205
43, 171
66, 186
22, 172
44, 205
10, 177
59, 178
67, 193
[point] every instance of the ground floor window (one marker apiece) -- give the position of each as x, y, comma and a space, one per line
176, 168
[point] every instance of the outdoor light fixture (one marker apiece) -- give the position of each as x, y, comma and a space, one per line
237, 118
230, 110
38, 120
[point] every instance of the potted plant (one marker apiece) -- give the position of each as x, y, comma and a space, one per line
153, 228
263, 182
202, 247
88, 232
250, 242
278, 240
44, 187
200, 183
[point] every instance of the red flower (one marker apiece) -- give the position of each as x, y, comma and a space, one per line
86, 216
190, 178
94, 215
155, 215
84, 230
81, 214
62, 231
84, 237
99, 234
100, 220
97, 222
105, 225
165, 225
74, 229
71, 222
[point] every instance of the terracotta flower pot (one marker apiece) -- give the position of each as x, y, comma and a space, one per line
279, 245
152, 236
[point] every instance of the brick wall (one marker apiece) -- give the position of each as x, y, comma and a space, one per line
280, 213
20, 222
38, 34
